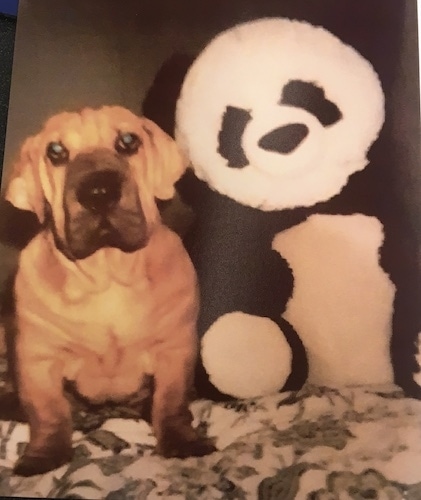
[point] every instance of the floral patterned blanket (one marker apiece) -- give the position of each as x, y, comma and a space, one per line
318, 444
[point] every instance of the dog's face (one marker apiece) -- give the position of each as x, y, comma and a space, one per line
92, 178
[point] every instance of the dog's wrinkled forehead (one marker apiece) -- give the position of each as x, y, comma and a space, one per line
89, 129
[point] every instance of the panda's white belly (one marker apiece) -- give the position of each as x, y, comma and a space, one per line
342, 302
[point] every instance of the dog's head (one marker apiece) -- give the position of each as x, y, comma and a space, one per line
92, 178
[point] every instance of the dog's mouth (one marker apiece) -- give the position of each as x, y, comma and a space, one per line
107, 235
123, 229
106, 232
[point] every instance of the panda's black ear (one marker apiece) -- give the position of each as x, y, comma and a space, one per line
160, 101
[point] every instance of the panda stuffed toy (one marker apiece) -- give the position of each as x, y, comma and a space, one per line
304, 263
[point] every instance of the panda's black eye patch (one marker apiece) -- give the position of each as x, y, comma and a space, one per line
308, 96
234, 123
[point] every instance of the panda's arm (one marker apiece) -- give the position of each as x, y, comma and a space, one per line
237, 268
243, 281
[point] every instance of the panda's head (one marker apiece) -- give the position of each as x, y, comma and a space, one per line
277, 113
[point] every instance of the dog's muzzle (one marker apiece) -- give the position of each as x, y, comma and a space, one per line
101, 206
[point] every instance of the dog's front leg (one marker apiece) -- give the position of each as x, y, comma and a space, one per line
40, 386
171, 417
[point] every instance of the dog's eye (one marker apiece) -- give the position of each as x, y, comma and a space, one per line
127, 143
57, 153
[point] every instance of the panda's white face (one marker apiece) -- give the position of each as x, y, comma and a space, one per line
278, 114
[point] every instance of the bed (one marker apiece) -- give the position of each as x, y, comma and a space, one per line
318, 443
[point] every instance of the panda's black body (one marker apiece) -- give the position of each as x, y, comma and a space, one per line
235, 256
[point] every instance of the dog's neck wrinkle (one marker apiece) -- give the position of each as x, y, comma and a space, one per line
97, 273
75, 281
78, 279
49, 226
124, 268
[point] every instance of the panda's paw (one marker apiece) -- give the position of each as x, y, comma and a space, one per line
246, 356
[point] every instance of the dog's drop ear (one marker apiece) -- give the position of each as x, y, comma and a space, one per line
23, 189
166, 164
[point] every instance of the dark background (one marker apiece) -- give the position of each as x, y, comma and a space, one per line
7, 39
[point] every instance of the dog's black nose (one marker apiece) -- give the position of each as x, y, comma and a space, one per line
100, 191
284, 139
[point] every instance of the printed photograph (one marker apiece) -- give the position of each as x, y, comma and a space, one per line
210, 249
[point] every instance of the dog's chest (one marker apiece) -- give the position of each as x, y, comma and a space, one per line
111, 323
123, 312
108, 349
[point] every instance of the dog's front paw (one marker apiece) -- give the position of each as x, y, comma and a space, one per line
176, 446
31, 465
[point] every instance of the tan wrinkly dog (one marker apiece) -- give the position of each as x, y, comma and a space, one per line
105, 294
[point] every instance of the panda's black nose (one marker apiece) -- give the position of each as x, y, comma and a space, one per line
284, 139
100, 191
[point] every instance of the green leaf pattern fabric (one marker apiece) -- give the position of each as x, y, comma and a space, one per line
318, 444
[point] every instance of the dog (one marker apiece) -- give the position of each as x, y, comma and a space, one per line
106, 295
